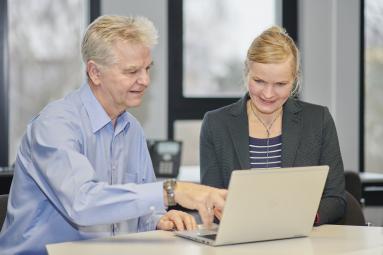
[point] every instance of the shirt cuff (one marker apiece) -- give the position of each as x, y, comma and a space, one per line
150, 196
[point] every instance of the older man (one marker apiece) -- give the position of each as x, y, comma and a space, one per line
83, 169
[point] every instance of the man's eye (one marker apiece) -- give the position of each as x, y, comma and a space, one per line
130, 71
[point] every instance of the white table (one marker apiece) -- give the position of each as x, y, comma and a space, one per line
327, 239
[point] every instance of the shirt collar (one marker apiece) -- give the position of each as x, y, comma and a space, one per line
122, 122
97, 115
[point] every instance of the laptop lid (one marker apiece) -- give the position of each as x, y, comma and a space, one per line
266, 204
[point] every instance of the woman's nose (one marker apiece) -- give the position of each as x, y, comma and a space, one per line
268, 91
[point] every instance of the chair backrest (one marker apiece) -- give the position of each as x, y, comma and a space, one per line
353, 184
354, 213
3, 208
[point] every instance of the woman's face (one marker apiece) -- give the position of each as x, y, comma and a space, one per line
270, 85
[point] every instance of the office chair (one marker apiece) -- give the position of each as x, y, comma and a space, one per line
354, 214
3, 208
354, 185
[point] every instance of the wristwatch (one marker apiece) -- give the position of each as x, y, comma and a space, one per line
169, 187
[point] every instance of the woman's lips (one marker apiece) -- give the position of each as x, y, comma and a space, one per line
267, 101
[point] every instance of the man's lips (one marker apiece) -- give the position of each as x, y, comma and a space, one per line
137, 91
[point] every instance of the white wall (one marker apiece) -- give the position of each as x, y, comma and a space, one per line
152, 114
329, 41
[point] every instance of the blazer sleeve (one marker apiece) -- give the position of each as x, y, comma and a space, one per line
333, 203
211, 173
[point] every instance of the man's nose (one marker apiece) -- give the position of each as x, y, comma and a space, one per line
144, 78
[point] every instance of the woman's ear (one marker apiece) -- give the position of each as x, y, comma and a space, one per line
94, 73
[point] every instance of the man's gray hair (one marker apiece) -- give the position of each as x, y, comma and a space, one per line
102, 33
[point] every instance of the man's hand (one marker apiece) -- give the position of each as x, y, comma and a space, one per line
177, 220
218, 213
207, 200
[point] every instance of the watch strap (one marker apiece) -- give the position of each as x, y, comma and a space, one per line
169, 186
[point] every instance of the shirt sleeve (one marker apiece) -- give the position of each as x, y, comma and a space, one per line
68, 180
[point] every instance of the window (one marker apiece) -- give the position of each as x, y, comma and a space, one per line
40, 60
373, 86
213, 58
205, 72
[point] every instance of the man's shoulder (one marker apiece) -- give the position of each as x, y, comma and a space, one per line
67, 108
61, 107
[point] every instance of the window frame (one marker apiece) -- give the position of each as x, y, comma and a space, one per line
362, 89
4, 84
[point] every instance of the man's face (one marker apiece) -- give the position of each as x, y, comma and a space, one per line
123, 84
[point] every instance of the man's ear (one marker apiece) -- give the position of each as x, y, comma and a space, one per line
93, 71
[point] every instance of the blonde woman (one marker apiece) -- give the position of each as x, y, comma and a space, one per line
269, 128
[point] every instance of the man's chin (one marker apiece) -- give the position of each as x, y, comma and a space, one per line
134, 103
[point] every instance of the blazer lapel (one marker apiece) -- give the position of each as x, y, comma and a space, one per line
239, 132
291, 130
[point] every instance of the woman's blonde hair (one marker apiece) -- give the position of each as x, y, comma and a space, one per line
273, 46
102, 33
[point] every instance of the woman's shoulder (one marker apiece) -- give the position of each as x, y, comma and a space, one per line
232, 110
223, 119
300, 105
222, 111
309, 112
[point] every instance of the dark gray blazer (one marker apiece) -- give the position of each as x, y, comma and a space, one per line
308, 138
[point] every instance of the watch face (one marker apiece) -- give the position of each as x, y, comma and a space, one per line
170, 184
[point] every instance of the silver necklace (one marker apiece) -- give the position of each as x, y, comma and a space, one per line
268, 128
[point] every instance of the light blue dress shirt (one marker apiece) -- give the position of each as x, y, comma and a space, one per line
78, 177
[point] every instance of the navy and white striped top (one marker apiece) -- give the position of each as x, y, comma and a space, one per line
265, 153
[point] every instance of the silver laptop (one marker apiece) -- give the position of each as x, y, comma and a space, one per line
266, 204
